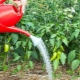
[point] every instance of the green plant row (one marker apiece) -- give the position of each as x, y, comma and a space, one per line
57, 22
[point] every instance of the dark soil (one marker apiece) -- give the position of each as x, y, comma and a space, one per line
36, 74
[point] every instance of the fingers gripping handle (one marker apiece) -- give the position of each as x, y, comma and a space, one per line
23, 4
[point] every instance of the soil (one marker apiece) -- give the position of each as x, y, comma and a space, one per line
36, 74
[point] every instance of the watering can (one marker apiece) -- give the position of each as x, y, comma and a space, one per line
9, 16
1, 1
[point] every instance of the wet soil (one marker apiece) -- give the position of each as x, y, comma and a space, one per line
36, 74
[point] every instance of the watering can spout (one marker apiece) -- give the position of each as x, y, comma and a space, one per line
13, 29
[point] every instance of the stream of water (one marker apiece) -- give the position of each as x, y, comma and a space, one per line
38, 42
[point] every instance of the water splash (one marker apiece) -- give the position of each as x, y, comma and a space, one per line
38, 42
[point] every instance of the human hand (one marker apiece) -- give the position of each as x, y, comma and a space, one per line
17, 3
21, 2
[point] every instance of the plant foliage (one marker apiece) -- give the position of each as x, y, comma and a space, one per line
57, 22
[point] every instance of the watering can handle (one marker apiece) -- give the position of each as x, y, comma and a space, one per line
19, 7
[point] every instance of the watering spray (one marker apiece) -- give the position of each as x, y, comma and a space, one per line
9, 16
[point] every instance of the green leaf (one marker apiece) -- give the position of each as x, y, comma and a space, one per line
77, 32
30, 44
5, 67
65, 41
53, 36
14, 38
55, 64
35, 55
47, 29
18, 44
14, 71
75, 64
72, 36
31, 64
58, 42
24, 43
19, 67
63, 58
71, 56
16, 57
28, 54
30, 24
52, 42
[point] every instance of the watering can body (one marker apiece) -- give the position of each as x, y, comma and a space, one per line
9, 15
1, 1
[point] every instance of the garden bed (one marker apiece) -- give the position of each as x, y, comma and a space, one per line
36, 74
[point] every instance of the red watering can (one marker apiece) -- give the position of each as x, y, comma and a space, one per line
1, 1
9, 16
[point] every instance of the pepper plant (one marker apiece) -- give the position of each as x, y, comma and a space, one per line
57, 22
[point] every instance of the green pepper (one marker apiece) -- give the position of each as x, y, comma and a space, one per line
6, 47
